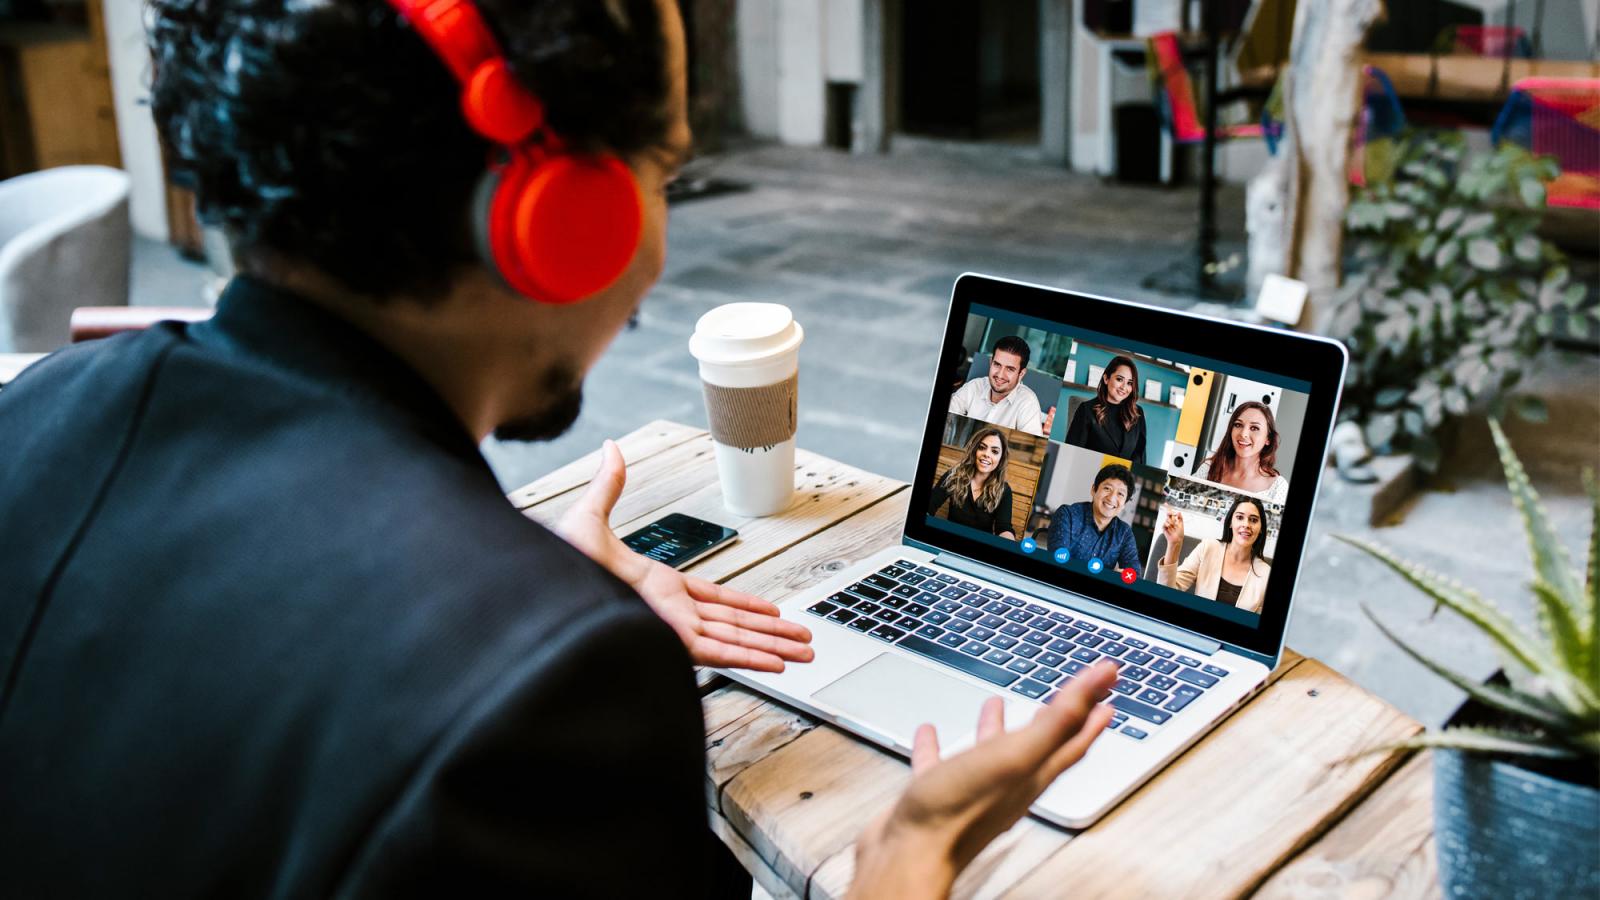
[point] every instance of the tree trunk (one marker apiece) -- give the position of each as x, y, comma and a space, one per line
1322, 97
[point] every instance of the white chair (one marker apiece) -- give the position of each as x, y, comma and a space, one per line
65, 242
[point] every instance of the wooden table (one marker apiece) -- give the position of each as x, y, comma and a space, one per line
1271, 803
1481, 79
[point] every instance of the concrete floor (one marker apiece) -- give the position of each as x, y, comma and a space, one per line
864, 250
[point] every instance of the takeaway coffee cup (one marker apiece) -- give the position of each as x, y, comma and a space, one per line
749, 357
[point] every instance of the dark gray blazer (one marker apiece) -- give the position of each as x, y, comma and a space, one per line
269, 628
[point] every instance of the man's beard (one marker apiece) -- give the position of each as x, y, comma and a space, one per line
563, 390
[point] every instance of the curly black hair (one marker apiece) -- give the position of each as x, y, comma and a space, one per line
325, 132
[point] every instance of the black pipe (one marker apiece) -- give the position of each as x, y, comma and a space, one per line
1208, 155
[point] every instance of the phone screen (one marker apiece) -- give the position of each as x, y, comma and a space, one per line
678, 539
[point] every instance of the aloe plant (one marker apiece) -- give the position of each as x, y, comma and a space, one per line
1553, 700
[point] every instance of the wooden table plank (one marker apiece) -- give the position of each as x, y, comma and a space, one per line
1006, 860
813, 840
1010, 858
682, 479
807, 800
1241, 803
654, 483
1382, 849
822, 556
769, 881
818, 558
1469, 78
636, 446
742, 728
826, 493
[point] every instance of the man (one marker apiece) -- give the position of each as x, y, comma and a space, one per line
267, 624
1002, 399
1092, 528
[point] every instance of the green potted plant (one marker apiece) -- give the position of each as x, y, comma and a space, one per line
1516, 800
1452, 291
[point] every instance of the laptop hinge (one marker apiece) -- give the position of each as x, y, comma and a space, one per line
1144, 624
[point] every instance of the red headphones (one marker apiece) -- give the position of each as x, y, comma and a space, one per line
557, 226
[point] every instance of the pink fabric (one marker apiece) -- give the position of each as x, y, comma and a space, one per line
1186, 127
1487, 40
1566, 125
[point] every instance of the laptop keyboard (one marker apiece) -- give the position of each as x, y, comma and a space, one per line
1025, 647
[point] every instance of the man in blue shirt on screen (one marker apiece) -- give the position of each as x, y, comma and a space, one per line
1091, 528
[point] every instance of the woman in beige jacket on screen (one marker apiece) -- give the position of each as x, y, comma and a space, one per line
1233, 570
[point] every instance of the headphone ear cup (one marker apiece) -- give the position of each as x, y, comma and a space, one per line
480, 219
499, 194
577, 222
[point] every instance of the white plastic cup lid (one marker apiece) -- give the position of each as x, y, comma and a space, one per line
745, 333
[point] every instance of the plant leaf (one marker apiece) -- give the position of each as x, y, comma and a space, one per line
1476, 223
1469, 605
1560, 622
1427, 451
1484, 254
1531, 190
1389, 397
1531, 408
1591, 625
1480, 740
1517, 703
1527, 248
1381, 430
1549, 554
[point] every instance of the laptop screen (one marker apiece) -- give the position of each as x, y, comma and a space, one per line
1156, 461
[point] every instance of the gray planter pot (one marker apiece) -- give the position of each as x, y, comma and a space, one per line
1503, 831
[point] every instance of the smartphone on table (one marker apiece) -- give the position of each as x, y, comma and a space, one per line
678, 539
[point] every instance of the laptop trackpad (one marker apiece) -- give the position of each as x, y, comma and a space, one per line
892, 695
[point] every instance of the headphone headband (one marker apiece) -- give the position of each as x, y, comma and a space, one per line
557, 227
455, 31
494, 103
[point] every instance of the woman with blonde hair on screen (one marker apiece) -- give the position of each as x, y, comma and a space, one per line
1247, 456
1233, 570
1111, 422
976, 487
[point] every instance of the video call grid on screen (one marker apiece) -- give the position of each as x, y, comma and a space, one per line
1187, 404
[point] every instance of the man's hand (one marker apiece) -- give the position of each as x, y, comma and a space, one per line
1049, 421
719, 625
953, 809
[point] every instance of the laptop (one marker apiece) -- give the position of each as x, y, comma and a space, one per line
1098, 479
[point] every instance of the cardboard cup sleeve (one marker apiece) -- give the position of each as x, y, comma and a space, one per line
755, 417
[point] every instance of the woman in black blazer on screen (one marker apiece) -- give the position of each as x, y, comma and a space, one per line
1111, 421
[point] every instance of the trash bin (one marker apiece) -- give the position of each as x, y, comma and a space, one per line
1138, 131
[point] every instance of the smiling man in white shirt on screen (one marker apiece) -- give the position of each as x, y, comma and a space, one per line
1002, 399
